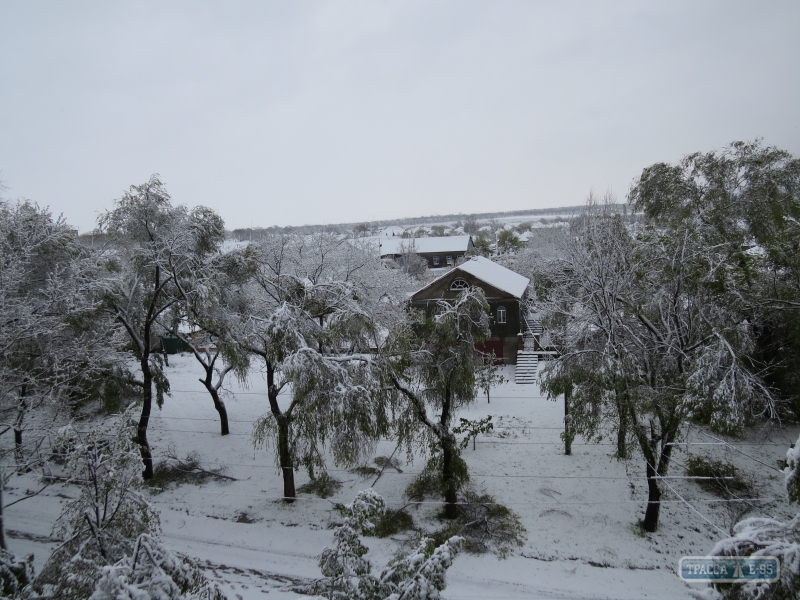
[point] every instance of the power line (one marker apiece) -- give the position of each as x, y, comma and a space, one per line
740, 452
486, 475
404, 501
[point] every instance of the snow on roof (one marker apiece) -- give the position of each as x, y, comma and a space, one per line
490, 272
453, 243
392, 231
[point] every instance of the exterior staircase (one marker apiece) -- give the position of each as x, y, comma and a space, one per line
528, 357
527, 366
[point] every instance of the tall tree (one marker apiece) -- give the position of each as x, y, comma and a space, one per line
305, 315
744, 201
156, 248
52, 346
434, 366
652, 333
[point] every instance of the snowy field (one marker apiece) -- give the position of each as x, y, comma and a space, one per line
579, 510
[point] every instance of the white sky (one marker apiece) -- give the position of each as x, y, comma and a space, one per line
286, 113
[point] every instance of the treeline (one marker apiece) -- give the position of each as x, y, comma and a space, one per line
258, 233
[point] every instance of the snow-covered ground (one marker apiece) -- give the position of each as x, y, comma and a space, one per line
579, 510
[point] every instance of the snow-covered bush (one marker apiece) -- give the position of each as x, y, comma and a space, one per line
348, 575
102, 524
112, 550
15, 574
768, 537
153, 572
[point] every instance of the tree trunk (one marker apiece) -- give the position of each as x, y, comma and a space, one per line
622, 437
144, 419
488, 400
284, 442
621, 399
567, 428
448, 454
660, 446
219, 405
22, 408
650, 523
223, 413
285, 460
3, 545
450, 491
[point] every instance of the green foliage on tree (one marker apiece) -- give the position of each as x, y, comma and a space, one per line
472, 429
652, 325
507, 241
433, 365
744, 202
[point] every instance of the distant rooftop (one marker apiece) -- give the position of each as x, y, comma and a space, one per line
427, 245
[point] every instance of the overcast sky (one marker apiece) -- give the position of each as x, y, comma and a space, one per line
287, 113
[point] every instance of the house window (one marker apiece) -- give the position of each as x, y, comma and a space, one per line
501, 314
449, 260
459, 284
435, 261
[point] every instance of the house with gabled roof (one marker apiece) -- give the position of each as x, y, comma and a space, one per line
439, 252
505, 292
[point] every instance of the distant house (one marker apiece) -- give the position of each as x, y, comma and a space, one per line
504, 290
392, 231
438, 251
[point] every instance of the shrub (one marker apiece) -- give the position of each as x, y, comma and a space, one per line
725, 480
392, 522
485, 525
323, 486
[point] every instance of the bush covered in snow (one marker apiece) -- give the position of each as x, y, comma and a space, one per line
15, 574
153, 572
111, 548
348, 575
102, 524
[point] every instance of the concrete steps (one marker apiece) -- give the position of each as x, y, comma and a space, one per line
527, 366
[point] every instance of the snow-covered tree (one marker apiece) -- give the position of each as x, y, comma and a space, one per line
310, 320
652, 332
507, 241
419, 575
15, 575
410, 262
156, 248
434, 366
54, 345
153, 572
745, 202
101, 525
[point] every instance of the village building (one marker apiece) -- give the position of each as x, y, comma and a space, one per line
439, 252
505, 292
